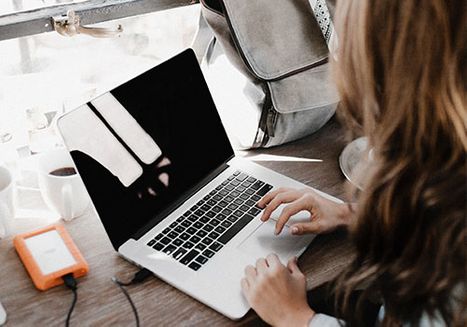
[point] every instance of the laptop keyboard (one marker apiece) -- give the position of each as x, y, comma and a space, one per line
205, 228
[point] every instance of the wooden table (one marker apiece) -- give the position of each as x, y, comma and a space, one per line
101, 303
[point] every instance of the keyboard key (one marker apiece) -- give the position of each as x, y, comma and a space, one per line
210, 214
172, 235
238, 201
232, 206
217, 197
265, 189
204, 220
185, 236
188, 245
238, 213
194, 208
217, 209
179, 253
202, 260
236, 173
229, 188
228, 199
166, 240
202, 233
207, 197
257, 185
151, 242
256, 198
235, 183
232, 218
214, 235
158, 236
185, 214
166, 231
172, 225
221, 217
198, 225
244, 208
251, 179
177, 242
244, 196
226, 212
254, 211
191, 230
208, 253
200, 203
208, 228
169, 249
211, 202
195, 239
250, 191
215, 246
212, 192
195, 266
207, 241
190, 256
240, 189
179, 229
238, 226
158, 246
231, 177
200, 246
219, 187
219, 229
250, 203
241, 177
226, 224
199, 213
223, 204
234, 194
214, 222
205, 207
223, 192
186, 223
192, 218
246, 184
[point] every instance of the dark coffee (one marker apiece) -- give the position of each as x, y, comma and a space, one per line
65, 171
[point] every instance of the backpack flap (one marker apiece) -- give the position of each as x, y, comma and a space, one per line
284, 47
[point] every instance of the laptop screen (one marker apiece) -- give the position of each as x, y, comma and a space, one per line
171, 140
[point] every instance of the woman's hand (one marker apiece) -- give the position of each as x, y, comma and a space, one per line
277, 293
326, 215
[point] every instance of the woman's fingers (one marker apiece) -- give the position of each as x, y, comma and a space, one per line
261, 265
313, 227
290, 210
285, 197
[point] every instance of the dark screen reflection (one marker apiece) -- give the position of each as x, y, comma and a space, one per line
173, 105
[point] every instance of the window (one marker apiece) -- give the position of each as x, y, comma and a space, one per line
44, 74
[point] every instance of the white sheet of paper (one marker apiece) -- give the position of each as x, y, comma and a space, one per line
50, 252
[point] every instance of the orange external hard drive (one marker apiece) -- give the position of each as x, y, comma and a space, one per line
49, 254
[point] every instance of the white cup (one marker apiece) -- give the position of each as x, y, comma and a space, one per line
66, 195
7, 207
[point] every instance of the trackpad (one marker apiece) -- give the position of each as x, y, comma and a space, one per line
263, 241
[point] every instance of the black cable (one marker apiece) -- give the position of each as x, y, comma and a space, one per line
137, 278
71, 283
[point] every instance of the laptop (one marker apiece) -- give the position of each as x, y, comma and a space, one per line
168, 188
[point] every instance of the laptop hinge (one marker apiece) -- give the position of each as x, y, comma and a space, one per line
185, 196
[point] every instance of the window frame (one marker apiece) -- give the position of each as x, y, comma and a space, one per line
40, 20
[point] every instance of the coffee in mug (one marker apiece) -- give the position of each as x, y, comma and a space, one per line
65, 171
61, 186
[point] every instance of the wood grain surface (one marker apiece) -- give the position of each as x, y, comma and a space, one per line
101, 303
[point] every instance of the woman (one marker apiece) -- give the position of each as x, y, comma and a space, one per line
401, 76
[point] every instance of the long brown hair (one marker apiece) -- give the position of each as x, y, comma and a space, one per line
401, 73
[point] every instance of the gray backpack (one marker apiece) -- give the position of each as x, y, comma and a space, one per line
277, 50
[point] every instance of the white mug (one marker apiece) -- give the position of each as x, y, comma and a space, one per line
64, 194
7, 207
